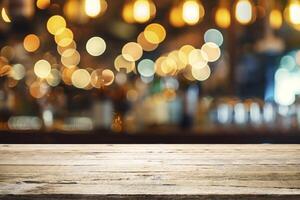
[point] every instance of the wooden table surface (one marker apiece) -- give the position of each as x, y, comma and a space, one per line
149, 172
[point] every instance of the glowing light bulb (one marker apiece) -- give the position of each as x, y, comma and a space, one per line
293, 10
191, 12
175, 17
141, 11
244, 11
222, 17
92, 7
275, 19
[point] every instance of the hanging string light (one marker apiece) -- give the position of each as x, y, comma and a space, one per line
92, 8
192, 11
222, 15
291, 13
140, 11
275, 16
175, 16
244, 11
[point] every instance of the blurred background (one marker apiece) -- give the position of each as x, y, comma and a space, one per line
150, 71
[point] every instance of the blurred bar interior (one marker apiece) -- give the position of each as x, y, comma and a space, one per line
134, 66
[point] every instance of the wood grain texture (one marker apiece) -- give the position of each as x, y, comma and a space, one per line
149, 172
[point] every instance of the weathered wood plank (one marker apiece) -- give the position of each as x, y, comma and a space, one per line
150, 171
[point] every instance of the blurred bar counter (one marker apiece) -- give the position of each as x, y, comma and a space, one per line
156, 135
179, 120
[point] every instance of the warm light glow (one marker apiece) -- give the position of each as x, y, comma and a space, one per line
81, 78
100, 78
121, 63
127, 13
67, 73
17, 71
70, 57
132, 51
158, 67
212, 51
174, 55
64, 37
175, 16
42, 4
42, 68
168, 67
54, 78
108, 77
293, 10
96, 46
243, 11
275, 19
38, 89
222, 18
191, 12
198, 58
147, 46
201, 74
74, 12
92, 8
55, 24
141, 11
184, 52
61, 49
155, 33
5, 16
31, 43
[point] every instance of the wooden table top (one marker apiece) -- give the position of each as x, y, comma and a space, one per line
149, 171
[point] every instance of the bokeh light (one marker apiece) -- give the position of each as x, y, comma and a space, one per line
175, 16
121, 63
215, 36
223, 17
127, 13
96, 46
275, 19
191, 12
38, 89
70, 57
61, 49
155, 33
54, 78
147, 46
132, 51
212, 51
31, 43
108, 77
244, 11
143, 10
81, 78
146, 68
64, 37
198, 58
43, 4
42, 68
55, 24
201, 74
17, 72
4, 16
92, 8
